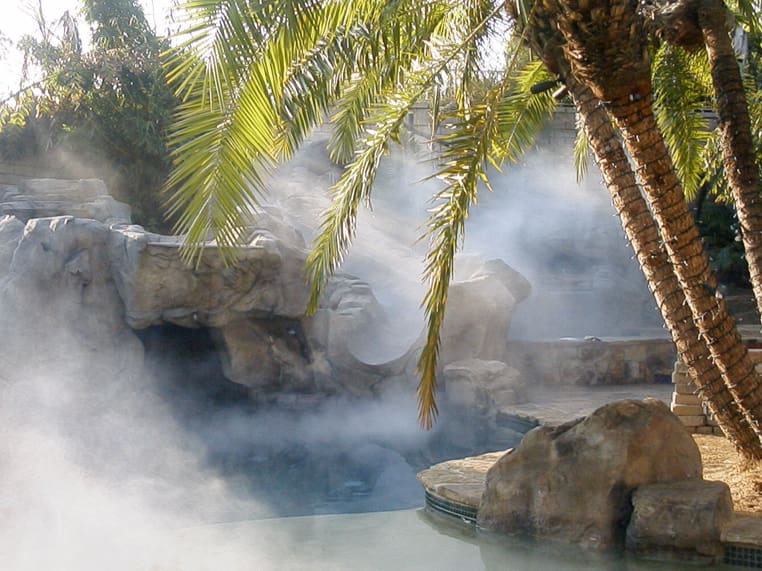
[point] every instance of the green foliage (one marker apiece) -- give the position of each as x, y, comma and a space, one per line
502, 126
581, 147
255, 82
720, 233
682, 87
256, 77
107, 108
231, 72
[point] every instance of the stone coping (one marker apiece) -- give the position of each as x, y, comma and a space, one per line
459, 484
460, 481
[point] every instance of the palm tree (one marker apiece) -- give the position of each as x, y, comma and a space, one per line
618, 72
740, 167
642, 233
644, 237
696, 24
257, 76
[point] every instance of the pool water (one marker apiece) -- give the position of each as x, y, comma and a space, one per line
397, 540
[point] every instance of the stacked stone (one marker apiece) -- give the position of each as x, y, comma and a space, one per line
687, 405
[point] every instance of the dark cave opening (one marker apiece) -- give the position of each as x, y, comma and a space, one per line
187, 365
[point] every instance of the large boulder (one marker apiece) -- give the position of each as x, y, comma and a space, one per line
480, 305
62, 313
157, 286
268, 355
574, 482
680, 520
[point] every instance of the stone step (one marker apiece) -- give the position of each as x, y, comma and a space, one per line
685, 388
682, 398
693, 420
687, 409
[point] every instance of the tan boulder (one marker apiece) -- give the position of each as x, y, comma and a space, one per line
680, 520
573, 482
480, 305
267, 354
158, 286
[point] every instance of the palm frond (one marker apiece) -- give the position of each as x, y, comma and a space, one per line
338, 226
502, 127
679, 93
230, 72
313, 85
521, 113
468, 15
581, 155
396, 45
747, 12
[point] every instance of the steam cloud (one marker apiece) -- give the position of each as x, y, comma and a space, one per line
120, 481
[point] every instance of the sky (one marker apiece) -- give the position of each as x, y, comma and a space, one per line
17, 20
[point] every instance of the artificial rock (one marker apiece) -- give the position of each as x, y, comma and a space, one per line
680, 520
480, 305
573, 482
86, 280
62, 313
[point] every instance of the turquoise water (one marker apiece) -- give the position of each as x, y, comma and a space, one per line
397, 541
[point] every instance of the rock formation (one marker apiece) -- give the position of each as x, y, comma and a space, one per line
62, 314
479, 309
83, 279
574, 482
680, 520
157, 286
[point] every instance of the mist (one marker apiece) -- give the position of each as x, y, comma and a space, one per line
99, 473
117, 483
566, 239
563, 235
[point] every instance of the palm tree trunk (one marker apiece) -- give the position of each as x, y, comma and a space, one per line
635, 119
546, 40
643, 235
735, 135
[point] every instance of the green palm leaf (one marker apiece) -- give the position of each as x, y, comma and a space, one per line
230, 71
581, 146
354, 186
502, 127
680, 90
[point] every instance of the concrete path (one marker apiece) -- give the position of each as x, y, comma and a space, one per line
556, 405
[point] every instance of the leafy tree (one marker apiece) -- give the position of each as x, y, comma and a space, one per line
257, 76
108, 107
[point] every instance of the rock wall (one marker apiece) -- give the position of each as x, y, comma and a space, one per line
62, 313
79, 285
593, 361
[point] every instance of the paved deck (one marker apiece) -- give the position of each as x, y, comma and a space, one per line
556, 405
459, 484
